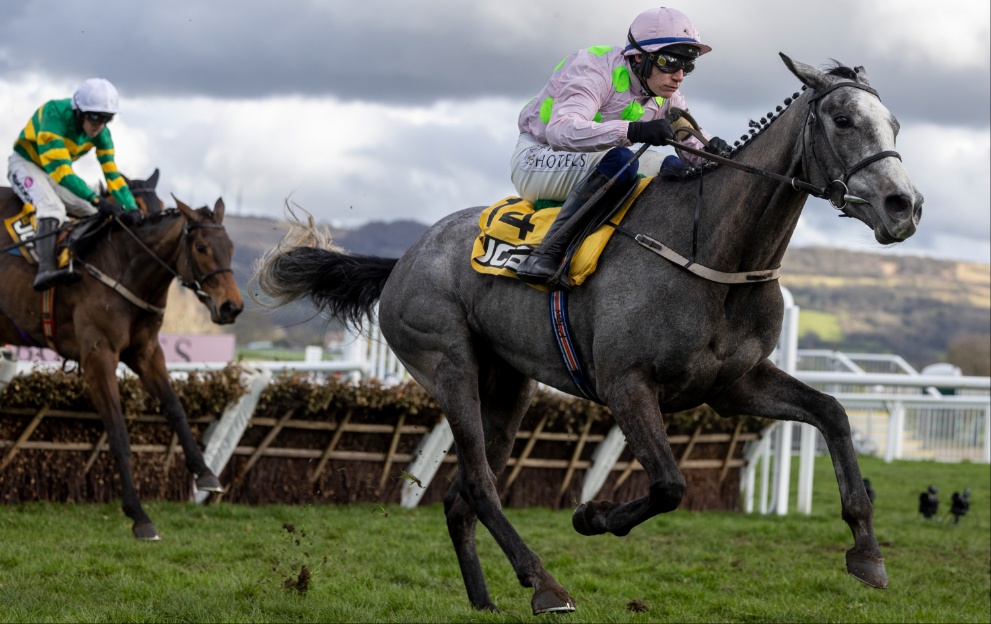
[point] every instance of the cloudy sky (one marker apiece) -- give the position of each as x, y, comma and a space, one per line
400, 109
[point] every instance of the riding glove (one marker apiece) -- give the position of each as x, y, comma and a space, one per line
130, 217
718, 146
108, 208
655, 132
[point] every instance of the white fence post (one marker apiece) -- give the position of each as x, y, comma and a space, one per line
312, 354
782, 468
788, 346
765, 467
806, 465
896, 426
987, 434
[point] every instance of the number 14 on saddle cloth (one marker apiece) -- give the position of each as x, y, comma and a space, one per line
513, 227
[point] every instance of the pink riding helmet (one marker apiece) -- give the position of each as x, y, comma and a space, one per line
657, 28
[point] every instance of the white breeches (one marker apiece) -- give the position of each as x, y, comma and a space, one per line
539, 172
50, 200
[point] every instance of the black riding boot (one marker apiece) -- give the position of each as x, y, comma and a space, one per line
544, 261
46, 248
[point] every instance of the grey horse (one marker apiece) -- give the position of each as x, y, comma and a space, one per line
653, 337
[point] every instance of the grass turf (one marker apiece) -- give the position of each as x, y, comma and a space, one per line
377, 563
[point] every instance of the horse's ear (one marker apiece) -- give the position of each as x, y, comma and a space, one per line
810, 76
186, 211
152, 182
218, 210
862, 75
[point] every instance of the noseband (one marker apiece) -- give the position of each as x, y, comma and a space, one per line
838, 191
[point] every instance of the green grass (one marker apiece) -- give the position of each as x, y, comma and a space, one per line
269, 355
824, 324
229, 563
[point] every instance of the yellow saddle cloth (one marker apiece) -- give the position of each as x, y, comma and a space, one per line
22, 228
512, 228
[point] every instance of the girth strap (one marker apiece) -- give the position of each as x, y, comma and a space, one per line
569, 355
48, 319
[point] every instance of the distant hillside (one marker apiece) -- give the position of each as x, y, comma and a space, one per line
925, 310
919, 308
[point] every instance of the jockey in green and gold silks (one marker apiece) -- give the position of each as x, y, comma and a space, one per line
53, 140
40, 170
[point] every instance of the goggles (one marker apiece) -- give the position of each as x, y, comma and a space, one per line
670, 64
98, 118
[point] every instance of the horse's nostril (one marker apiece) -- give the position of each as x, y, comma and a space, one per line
230, 310
898, 204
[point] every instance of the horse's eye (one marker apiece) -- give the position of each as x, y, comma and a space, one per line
200, 247
842, 121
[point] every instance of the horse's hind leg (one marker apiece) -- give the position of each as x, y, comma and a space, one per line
100, 373
148, 362
505, 395
633, 403
769, 392
443, 360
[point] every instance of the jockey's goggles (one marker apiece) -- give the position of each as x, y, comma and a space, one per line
670, 64
98, 118
667, 63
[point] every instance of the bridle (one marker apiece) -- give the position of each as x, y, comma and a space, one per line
838, 190
195, 284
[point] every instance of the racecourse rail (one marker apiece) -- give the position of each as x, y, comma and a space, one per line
895, 412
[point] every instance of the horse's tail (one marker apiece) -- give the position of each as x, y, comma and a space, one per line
306, 264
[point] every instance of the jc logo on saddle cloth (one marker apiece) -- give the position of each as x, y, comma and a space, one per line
22, 227
512, 228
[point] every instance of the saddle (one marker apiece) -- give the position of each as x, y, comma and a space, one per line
513, 227
21, 225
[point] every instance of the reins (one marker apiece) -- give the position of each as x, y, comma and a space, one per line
836, 192
195, 285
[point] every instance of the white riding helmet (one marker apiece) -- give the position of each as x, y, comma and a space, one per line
658, 28
96, 95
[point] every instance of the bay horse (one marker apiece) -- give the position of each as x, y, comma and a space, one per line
653, 337
115, 313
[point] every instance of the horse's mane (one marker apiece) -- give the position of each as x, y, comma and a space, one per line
158, 217
757, 128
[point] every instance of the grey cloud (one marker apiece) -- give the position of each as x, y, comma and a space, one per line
417, 53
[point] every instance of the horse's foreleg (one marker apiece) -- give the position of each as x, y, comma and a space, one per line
634, 406
100, 373
149, 365
769, 392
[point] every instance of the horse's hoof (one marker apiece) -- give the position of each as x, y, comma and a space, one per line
867, 569
209, 483
146, 531
552, 600
589, 518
